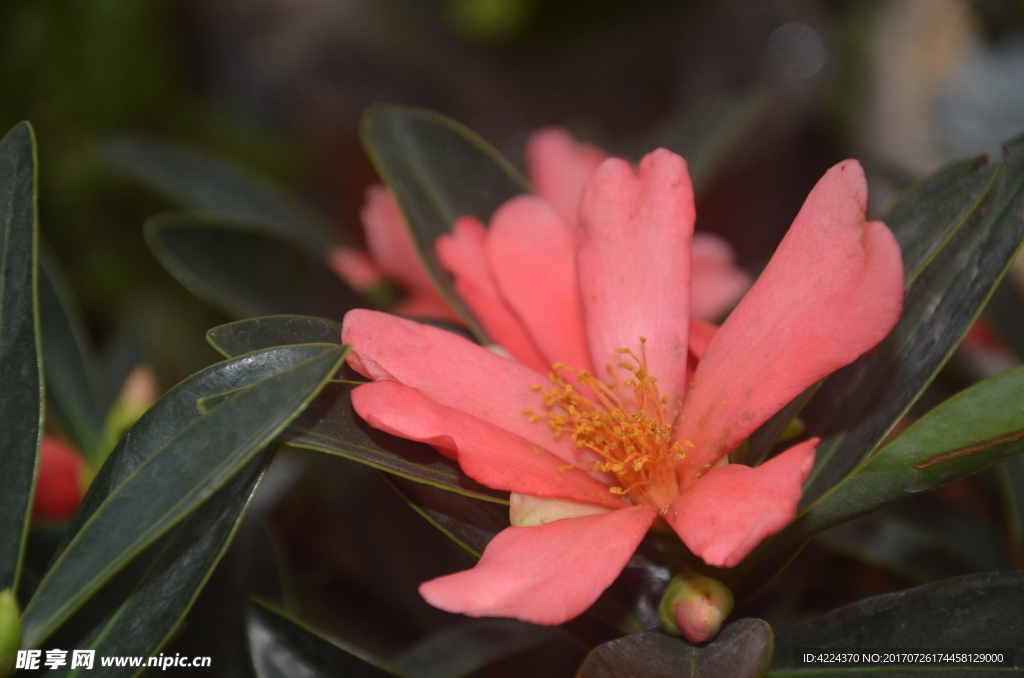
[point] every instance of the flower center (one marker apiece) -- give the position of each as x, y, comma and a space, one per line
632, 442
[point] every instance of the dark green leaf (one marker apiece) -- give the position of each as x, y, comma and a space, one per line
138, 609
277, 330
168, 485
969, 432
244, 272
469, 522
858, 405
21, 377
976, 611
439, 170
331, 425
923, 221
742, 650
282, 647
475, 644
917, 546
197, 181
707, 135
929, 213
1013, 475
1005, 312
71, 390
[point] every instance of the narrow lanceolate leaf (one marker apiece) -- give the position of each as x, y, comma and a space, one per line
858, 405
468, 521
977, 611
245, 272
254, 334
439, 170
742, 650
975, 429
331, 425
923, 221
139, 608
184, 472
282, 647
197, 181
71, 388
21, 376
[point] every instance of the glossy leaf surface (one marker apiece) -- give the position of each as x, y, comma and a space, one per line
21, 376
977, 611
139, 608
439, 170
282, 647
969, 432
331, 425
255, 334
161, 491
246, 273
857, 406
198, 181
742, 650
923, 221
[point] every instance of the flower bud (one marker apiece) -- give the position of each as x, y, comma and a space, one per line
10, 631
695, 606
138, 394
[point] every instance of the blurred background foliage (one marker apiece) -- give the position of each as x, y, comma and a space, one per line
277, 86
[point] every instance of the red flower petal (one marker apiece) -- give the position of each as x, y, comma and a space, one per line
725, 514
462, 254
546, 574
59, 483
832, 291
559, 169
451, 371
486, 453
532, 255
634, 265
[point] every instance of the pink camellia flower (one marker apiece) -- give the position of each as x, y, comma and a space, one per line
559, 167
617, 409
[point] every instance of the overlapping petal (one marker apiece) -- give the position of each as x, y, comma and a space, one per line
532, 255
559, 167
833, 290
546, 574
487, 453
717, 282
451, 371
732, 508
634, 265
463, 254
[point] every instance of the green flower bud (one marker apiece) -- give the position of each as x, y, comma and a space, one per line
10, 631
695, 606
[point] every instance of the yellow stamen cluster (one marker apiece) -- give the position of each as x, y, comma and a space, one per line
632, 442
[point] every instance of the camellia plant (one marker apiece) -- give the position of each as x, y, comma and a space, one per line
622, 467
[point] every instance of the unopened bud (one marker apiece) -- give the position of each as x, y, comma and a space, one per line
10, 631
138, 394
695, 606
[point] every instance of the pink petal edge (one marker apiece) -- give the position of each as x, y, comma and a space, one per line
725, 514
488, 454
532, 256
547, 574
451, 371
634, 266
718, 283
559, 167
463, 254
831, 292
